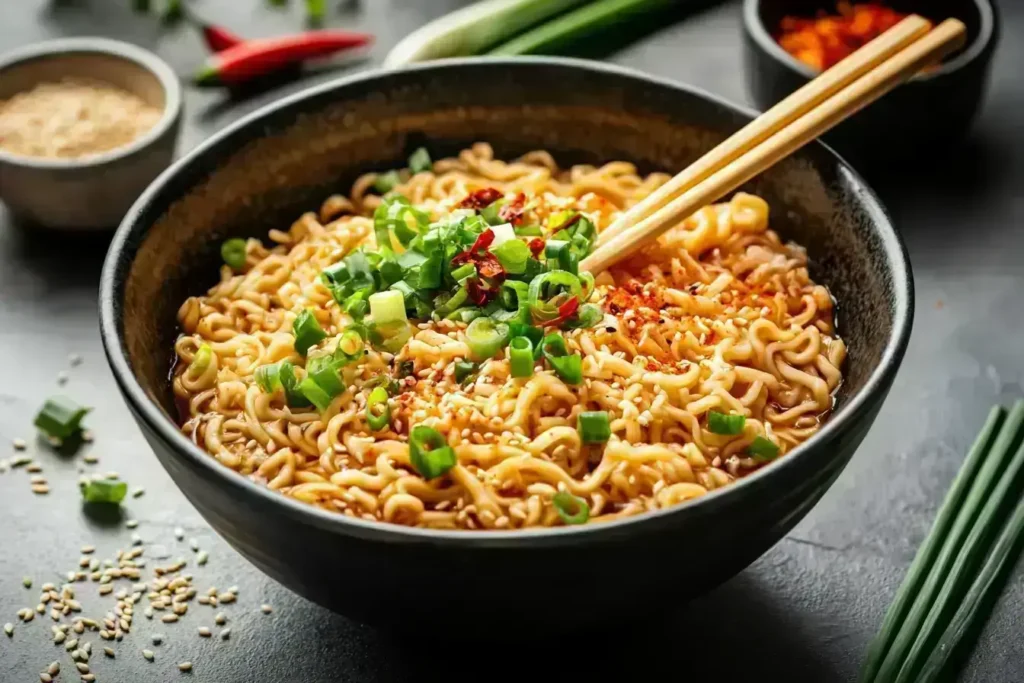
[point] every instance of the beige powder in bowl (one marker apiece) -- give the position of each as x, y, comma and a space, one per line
73, 118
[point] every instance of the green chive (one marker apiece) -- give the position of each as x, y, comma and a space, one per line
594, 426
729, 425
378, 412
520, 352
492, 212
307, 331
568, 367
571, 509
486, 337
233, 252
385, 182
463, 370
315, 393
419, 161
60, 417
268, 377
463, 272
104, 491
763, 449
201, 360
430, 454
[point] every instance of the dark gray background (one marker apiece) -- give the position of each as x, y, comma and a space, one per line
803, 612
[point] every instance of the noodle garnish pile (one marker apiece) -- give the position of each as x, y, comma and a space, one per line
425, 352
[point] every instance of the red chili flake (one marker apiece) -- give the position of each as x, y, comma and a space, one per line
481, 198
478, 292
536, 247
565, 311
483, 241
487, 265
513, 211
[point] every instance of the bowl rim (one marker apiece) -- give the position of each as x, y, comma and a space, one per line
130, 235
112, 48
762, 36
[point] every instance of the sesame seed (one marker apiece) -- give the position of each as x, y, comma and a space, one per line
226, 598
225, 634
54, 668
75, 359
82, 667
90, 459
40, 489
138, 492
108, 651
45, 677
27, 582
179, 533
131, 524
62, 377
267, 609
202, 558
88, 436
185, 666
220, 619
9, 629
19, 444
71, 644
148, 654
59, 637
194, 544
169, 618
204, 632
88, 678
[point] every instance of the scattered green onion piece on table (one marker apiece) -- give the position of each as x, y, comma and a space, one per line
568, 367
486, 337
268, 377
594, 426
571, 509
727, 425
430, 454
762, 448
464, 369
419, 161
60, 417
385, 182
233, 252
201, 360
104, 491
520, 351
378, 412
307, 331
315, 393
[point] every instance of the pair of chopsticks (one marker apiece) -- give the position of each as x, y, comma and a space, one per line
961, 565
864, 76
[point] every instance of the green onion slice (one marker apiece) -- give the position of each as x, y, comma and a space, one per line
378, 412
486, 337
233, 252
588, 316
386, 182
464, 272
512, 255
594, 426
315, 393
268, 377
543, 300
104, 491
430, 454
520, 352
293, 397
729, 425
762, 448
60, 417
464, 370
419, 161
571, 509
568, 367
307, 331
201, 360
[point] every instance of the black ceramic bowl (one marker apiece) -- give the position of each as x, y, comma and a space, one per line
923, 117
267, 169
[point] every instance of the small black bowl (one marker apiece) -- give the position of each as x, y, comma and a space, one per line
922, 117
267, 169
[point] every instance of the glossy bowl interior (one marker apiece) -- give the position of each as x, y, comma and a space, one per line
95, 191
923, 117
266, 170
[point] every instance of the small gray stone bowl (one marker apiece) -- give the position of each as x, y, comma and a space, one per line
92, 192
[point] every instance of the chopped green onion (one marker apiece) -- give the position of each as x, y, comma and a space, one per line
396, 216
464, 369
568, 367
490, 213
60, 417
594, 426
315, 393
268, 377
430, 454
390, 384
542, 301
104, 491
529, 231
520, 352
351, 343
233, 252
464, 272
571, 509
729, 425
763, 449
325, 372
534, 334
419, 161
589, 315
307, 332
201, 360
429, 274
394, 335
386, 182
512, 255
387, 307
378, 412
294, 397
486, 337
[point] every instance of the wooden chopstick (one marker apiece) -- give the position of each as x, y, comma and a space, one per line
946, 37
795, 105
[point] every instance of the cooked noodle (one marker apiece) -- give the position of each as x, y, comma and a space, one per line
719, 315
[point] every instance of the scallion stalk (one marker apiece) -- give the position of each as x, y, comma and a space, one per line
486, 337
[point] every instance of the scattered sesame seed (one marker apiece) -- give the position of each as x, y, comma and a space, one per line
45, 677
62, 377
226, 598
82, 667
204, 631
75, 359
225, 634
202, 558
54, 668
185, 666
108, 651
19, 444
220, 619
148, 654
132, 523
179, 533
90, 459
71, 644
9, 629
169, 618
136, 539
86, 549
267, 609
41, 489
88, 436
26, 582
88, 678
194, 544
138, 492
59, 637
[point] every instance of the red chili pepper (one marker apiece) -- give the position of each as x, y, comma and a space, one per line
258, 57
536, 246
219, 38
478, 292
481, 198
513, 211
488, 265
565, 311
